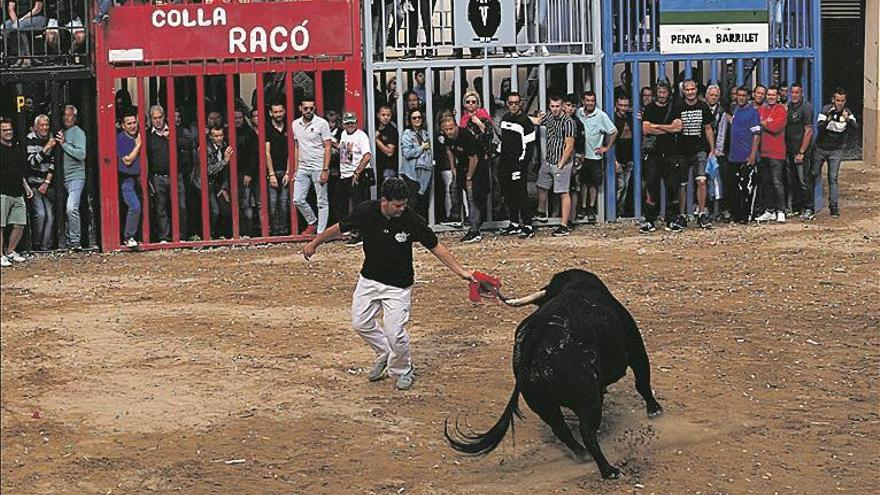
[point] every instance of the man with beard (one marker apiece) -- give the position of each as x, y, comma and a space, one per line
277, 164
311, 135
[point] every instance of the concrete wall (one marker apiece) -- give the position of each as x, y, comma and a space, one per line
871, 114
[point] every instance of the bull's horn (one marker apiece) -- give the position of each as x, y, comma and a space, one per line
526, 300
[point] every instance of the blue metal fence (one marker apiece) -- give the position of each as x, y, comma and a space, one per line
632, 44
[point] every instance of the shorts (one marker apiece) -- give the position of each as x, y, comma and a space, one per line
550, 176
13, 210
592, 171
685, 162
75, 23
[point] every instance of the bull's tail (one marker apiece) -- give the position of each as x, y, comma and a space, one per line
483, 443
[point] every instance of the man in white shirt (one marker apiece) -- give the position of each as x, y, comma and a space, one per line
356, 175
311, 135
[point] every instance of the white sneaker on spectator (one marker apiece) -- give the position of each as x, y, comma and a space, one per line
131, 243
15, 257
780, 217
543, 51
766, 217
530, 52
5, 262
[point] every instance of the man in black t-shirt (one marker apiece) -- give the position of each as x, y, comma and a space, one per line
660, 129
517, 152
623, 154
388, 228
471, 172
696, 144
278, 171
387, 139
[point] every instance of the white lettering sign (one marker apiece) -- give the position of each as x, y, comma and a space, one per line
186, 18
720, 38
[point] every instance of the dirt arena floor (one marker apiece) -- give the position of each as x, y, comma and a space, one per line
235, 370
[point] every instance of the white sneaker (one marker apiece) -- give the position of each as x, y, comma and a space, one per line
5, 262
131, 243
543, 51
15, 257
530, 52
780, 217
766, 217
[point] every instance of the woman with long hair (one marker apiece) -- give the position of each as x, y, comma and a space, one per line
418, 161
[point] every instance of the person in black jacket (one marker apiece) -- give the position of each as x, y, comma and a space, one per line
517, 151
248, 171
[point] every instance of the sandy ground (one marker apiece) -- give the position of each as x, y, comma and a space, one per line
146, 373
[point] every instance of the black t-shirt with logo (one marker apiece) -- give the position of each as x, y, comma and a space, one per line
388, 242
694, 119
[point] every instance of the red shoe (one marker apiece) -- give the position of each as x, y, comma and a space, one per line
311, 229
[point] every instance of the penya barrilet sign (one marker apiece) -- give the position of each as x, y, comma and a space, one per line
305, 28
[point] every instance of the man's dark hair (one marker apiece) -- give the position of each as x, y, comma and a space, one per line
514, 93
217, 127
129, 111
760, 86
395, 189
689, 81
649, 88
554, 97
383, 107
276, 103
743, 88
622, 97
773, 87
6, 120
663, 83
587, 93
305, 98
571, 98
840, 91
796, 84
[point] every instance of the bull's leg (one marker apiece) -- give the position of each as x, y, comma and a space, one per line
642, 370
590, 417
552, 415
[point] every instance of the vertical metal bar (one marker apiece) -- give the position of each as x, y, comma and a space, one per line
569, 78
542, 87
107, 161
816, 83
740, 72
369, 49
487, 105
688, 69
457, 82
401, 119
429, 121
713, 72
171, 105
234, 210
765, 71
292, 164
637, 142
514, 78
143, 91
261, 155
610, 176
620, 33
203, 157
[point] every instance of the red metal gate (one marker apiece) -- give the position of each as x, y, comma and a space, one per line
168, 48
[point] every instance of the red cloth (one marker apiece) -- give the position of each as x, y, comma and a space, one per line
476, 292
773, 121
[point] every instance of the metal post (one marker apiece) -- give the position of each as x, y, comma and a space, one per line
58, 177
261, 155
233, 161
637, 144
428, 120
292, 164
203, 156
172, 158
816, 84
144, 105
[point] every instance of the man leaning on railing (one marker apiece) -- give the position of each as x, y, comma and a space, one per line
25, 17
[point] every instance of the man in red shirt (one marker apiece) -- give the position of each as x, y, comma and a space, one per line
773, 119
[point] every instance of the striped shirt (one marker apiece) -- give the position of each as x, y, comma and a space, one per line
558, 128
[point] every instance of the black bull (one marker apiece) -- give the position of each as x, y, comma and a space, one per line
579, 340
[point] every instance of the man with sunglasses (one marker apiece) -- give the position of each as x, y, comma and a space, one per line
517, 151
311, 154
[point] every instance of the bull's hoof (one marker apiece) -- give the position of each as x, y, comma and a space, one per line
655, 412
611, 474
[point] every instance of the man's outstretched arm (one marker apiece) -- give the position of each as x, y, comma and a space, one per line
449, 260
328, 235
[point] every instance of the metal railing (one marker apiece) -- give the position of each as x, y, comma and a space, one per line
636, 25
423, 28
49, 35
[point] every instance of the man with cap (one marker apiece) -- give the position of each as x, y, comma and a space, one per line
388, 228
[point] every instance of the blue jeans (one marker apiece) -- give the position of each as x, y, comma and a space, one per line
279, 210
133, 203
42, 219
248, 205
23, 26
301, 184
833, 158
74, 196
